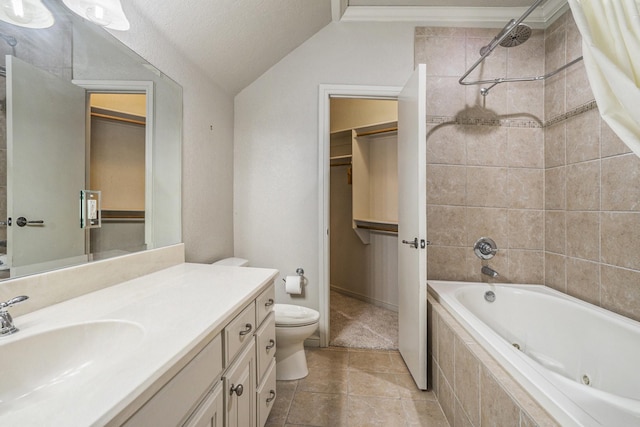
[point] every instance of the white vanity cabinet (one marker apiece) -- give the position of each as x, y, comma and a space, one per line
249, 394
266, 394
211, 412
175, 401
240, 385
230, 383
163, 347
265, 355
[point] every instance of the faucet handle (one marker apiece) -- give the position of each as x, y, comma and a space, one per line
485, 248
13, 301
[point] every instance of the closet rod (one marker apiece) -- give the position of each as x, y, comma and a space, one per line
117, 118
377, 131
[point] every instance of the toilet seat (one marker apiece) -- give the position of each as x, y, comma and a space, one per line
289, 315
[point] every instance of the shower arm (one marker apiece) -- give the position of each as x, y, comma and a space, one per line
486, 51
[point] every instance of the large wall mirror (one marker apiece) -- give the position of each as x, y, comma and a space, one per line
90, 160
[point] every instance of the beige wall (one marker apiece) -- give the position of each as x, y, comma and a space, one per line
207, 143
129, 103
485, 157
592, 191
533, 166
349, 113
118, 163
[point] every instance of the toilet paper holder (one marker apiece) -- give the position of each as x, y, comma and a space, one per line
299, 271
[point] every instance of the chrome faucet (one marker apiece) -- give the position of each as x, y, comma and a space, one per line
485, 248
6, 321
488, 271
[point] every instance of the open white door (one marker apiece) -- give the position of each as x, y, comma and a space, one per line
412, 226
45, 169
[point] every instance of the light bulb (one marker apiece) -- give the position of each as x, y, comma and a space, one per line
18, 8
96, 14
26, 13
106, 13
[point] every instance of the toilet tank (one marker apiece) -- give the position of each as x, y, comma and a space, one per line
233, 262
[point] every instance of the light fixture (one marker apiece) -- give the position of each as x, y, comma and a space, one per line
106, 13
26, 13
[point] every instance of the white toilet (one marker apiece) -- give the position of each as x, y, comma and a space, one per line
294, 324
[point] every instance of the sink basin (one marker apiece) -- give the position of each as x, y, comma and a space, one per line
38, 365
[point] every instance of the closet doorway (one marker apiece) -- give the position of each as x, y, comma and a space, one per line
117, 168
363, 199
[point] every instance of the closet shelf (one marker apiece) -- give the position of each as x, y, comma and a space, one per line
344, 160
376, 225
381, 129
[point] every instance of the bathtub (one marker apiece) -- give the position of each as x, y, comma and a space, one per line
579, 361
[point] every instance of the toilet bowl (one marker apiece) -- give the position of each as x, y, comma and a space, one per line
294, 324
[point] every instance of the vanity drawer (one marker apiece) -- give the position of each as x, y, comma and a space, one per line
238, 332
266, 344
264, 303
266, 394
180, 395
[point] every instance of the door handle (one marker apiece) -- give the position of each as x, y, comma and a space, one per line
22, 221
413, 243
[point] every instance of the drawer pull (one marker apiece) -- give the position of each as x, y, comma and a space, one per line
271, 344
269, 303
247, 329
272, 395
239, 389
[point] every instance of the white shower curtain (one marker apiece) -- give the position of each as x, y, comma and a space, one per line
610, 32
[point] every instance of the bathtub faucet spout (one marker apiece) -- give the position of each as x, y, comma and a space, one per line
488, 271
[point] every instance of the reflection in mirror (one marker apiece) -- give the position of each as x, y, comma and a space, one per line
117, 170
127, 146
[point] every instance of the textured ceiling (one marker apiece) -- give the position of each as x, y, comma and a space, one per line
236, 41
449, 3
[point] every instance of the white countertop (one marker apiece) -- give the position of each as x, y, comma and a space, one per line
179, 309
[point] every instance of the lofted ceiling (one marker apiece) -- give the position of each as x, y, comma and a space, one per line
451, 3
235, 42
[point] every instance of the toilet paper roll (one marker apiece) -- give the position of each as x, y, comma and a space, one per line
293, 285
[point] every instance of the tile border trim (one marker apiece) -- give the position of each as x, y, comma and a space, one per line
512, 123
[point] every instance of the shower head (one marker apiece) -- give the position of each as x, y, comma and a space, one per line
518, 35
511, 35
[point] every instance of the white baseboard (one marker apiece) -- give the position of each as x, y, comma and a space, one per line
365, 298
313, 340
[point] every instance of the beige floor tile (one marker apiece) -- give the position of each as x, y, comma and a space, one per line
285, 391
321, 358
425, 413
318, 409
397, 363
408, 390
352, 388
377, 384
375, 411
325, 380
376, 361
